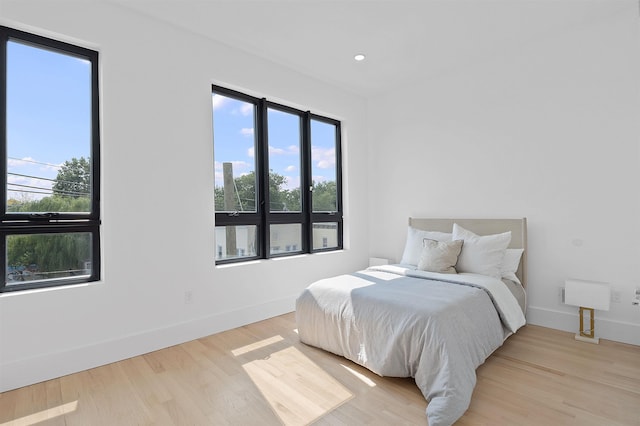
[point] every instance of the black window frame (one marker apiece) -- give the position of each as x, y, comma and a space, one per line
15, 223
263, 218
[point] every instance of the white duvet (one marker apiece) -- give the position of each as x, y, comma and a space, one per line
400, 322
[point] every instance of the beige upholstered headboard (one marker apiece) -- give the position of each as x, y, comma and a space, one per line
518, 228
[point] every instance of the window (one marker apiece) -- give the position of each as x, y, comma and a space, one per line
49, 165
277, 179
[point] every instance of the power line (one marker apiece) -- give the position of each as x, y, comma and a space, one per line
29, 192
71, 193
29, 186
57, 166
44, 178
65, 194
29, 176
49, 191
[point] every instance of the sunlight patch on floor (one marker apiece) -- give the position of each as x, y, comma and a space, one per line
41, 416
258, 345
298, 391
360, 376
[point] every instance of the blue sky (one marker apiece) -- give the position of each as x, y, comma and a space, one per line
49, 122
48, 115
234, 142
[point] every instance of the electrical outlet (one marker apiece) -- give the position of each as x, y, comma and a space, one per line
188, 297
616, 296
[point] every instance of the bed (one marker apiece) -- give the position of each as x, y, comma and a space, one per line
421, 319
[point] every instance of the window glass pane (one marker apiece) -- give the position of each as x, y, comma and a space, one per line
48, 131
234, 242
234, 151
41, 257
285, 238
323, 166
284, 161
325, 235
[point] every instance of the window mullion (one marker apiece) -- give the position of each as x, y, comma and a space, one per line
95, 135
4, 38
262, 173
3, 259
339, 170
339, 201
306, 183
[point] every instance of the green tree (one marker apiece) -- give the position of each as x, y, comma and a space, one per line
244, 198
71, 191
280, 199
55, 203
51, 255
74, 178
325, 196
46, 253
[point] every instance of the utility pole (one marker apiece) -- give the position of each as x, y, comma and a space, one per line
229, 206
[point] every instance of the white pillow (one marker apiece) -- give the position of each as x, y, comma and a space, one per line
510, 264
481, 254
440, 256
413, 246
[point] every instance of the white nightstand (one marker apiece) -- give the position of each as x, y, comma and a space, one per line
378, 261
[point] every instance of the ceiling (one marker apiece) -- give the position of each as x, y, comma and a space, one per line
403, 40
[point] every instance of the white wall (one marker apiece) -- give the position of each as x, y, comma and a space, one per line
549, 131
158, 227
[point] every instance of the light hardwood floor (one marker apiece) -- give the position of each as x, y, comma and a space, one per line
261, 374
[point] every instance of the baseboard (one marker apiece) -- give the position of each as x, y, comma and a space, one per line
36, 369
618, 331
48, 366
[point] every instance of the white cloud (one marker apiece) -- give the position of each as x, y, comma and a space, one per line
275, 151
24, 180
240, 168
246, 109
324, 158
292, 182
37, 178
246, 131
290, 150
14, 162
237, 165
218, 101
32, 187
32, 162
251, 152
290, 168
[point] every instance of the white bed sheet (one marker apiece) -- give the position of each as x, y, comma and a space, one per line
395, 321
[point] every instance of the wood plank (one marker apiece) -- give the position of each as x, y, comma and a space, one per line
262, 374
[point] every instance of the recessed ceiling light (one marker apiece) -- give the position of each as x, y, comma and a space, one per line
359, 57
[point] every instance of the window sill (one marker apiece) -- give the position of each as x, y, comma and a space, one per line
279, 259
46, 289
